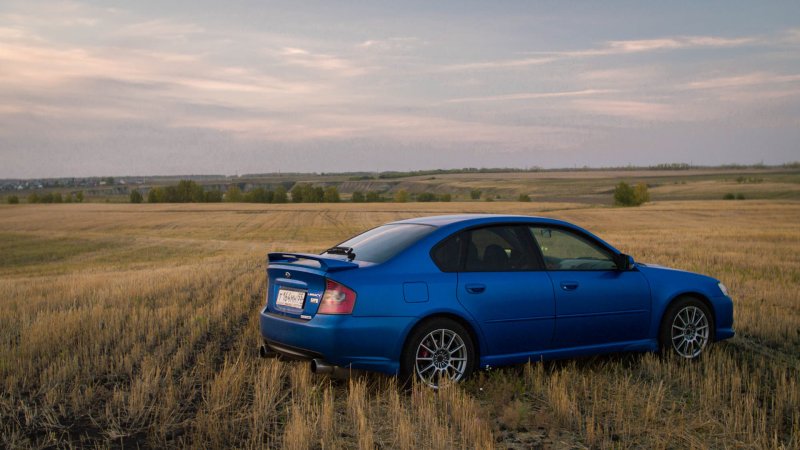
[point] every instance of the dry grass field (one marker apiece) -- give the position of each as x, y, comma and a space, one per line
136, 326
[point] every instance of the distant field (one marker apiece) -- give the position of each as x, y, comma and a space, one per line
552, 186
596, 187
136, 325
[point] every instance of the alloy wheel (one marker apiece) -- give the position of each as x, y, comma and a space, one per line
440, 355
690, 332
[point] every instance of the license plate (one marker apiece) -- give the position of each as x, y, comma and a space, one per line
291, 298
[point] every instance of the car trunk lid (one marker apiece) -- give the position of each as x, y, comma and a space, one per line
296, 282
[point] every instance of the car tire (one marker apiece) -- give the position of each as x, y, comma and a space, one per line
687, 328
438, 349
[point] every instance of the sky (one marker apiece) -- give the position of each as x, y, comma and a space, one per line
114, 88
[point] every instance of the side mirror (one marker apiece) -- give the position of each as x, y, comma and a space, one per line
624, 262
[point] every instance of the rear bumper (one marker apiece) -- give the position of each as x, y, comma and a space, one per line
290, 352
365, 343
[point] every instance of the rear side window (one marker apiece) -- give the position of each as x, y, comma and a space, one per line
381, 244
448, 254
489, 249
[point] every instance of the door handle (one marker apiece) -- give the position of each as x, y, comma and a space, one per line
475, 288
569, 285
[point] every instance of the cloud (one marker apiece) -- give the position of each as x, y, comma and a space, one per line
32, 65
504, 64
790, 36
675, 43
392, 44
751, 90
625, 77
159, 29
206, 82
618, 47
629, 109
320, 61
125, 80
530, 96
52, 14
744, 80
14, 34
379, 125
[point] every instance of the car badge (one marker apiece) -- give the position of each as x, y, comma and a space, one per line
288, 275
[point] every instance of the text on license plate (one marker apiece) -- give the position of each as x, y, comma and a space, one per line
291, 298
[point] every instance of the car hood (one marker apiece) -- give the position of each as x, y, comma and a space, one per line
654, 268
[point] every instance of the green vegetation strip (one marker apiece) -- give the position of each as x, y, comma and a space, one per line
23, 250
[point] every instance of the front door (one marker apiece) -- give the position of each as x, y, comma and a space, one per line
595, 302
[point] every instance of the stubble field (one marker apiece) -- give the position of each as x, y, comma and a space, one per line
136, 326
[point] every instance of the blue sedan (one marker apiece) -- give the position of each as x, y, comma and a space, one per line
437, 297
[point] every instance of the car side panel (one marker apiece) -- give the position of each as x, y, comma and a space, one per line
641, 345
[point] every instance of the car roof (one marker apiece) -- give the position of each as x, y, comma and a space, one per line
477, 219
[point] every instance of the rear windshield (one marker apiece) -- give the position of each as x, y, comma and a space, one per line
380, 244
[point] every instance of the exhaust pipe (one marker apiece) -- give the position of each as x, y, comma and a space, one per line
319, 366
266, 352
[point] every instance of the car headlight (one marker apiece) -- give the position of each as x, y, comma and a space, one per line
722, 288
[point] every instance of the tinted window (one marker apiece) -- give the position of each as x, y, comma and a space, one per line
489, 249
565, 250
447, 254
380, 244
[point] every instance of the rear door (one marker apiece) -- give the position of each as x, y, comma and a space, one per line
502, 285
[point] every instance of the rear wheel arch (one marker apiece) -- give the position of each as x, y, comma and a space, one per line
454, 317
406, 370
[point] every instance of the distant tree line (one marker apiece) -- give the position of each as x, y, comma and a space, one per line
402, 196
307, 193
369, 197
671, 166
429, 197
51, 197
186, 191
415, 173
257, 195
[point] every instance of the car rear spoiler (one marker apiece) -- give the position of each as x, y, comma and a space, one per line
326, 264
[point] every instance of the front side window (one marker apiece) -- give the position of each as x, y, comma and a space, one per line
488, 249
565, 250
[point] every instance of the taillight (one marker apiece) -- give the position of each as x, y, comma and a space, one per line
337, 299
